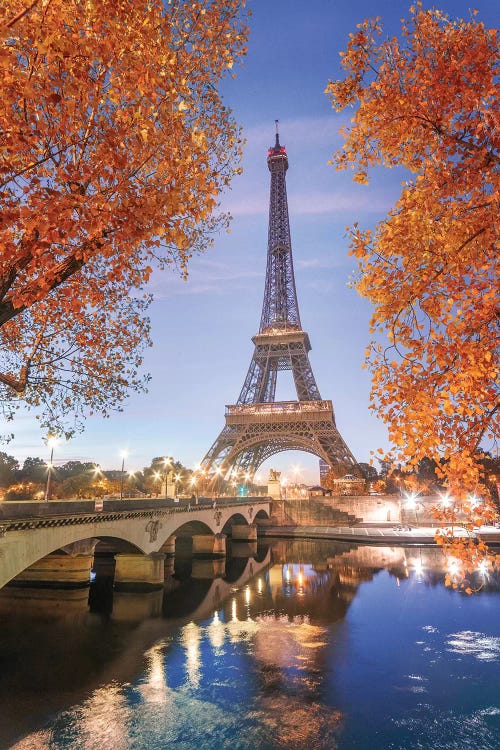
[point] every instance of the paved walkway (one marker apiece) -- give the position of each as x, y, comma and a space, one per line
386, 535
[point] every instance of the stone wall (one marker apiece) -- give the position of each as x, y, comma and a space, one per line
371, 508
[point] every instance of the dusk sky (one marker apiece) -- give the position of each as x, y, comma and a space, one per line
202, 328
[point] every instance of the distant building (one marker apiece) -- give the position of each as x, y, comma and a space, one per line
318, 491
324, 468
349, 485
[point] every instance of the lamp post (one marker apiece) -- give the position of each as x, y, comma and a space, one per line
51, 442
167, 465
177, 480
123, 454
411, 504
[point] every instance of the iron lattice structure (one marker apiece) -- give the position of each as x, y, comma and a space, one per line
257, 426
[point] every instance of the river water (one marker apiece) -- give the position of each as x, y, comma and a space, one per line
313, 645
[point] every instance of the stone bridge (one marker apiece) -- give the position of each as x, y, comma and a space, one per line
25, 541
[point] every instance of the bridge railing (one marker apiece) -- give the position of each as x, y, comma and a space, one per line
87, 515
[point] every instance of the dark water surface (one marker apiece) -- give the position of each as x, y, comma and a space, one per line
316, 645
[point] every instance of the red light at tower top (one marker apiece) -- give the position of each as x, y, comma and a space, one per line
277, 149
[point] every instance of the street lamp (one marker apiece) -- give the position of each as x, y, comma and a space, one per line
123, 454
411, 504
51, 442
193, 487
177, 480
167, 465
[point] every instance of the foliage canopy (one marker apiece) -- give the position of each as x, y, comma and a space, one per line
429, 102
115, 147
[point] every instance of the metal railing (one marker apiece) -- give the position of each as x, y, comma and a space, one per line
279, 407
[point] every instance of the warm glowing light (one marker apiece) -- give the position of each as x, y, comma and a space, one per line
259, 585
52, 441
411, 501
287, 575
446, 501
474, 501
483, 567
234, 611
418, 567
123, 454
453, 567
193, 480
216, 632
191, 638
247, 595
96, 470
177, 477
156, 475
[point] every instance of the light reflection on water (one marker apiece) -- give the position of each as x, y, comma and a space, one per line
330, 647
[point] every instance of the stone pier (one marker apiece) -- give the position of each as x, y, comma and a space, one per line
139, 572
244, 532
168, 547
209, 545
57, 571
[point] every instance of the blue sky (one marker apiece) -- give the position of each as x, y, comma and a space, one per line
202, 329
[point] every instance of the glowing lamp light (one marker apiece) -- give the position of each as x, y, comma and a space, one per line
453, 567
483, 567
418, 567
411, 502
446, 501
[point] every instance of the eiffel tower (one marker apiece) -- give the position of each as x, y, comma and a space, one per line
257, 426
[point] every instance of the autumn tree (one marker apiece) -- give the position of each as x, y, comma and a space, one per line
8, 468
115, 145
429, 102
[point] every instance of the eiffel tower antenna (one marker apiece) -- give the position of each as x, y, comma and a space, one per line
258, 426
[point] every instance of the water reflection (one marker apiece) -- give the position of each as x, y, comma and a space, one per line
320, 645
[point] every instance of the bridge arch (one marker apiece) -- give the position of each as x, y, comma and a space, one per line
25, 542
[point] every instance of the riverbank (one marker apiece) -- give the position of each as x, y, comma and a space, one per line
388, 535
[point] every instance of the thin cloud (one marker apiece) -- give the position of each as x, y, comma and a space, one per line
302, 204
207, 277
